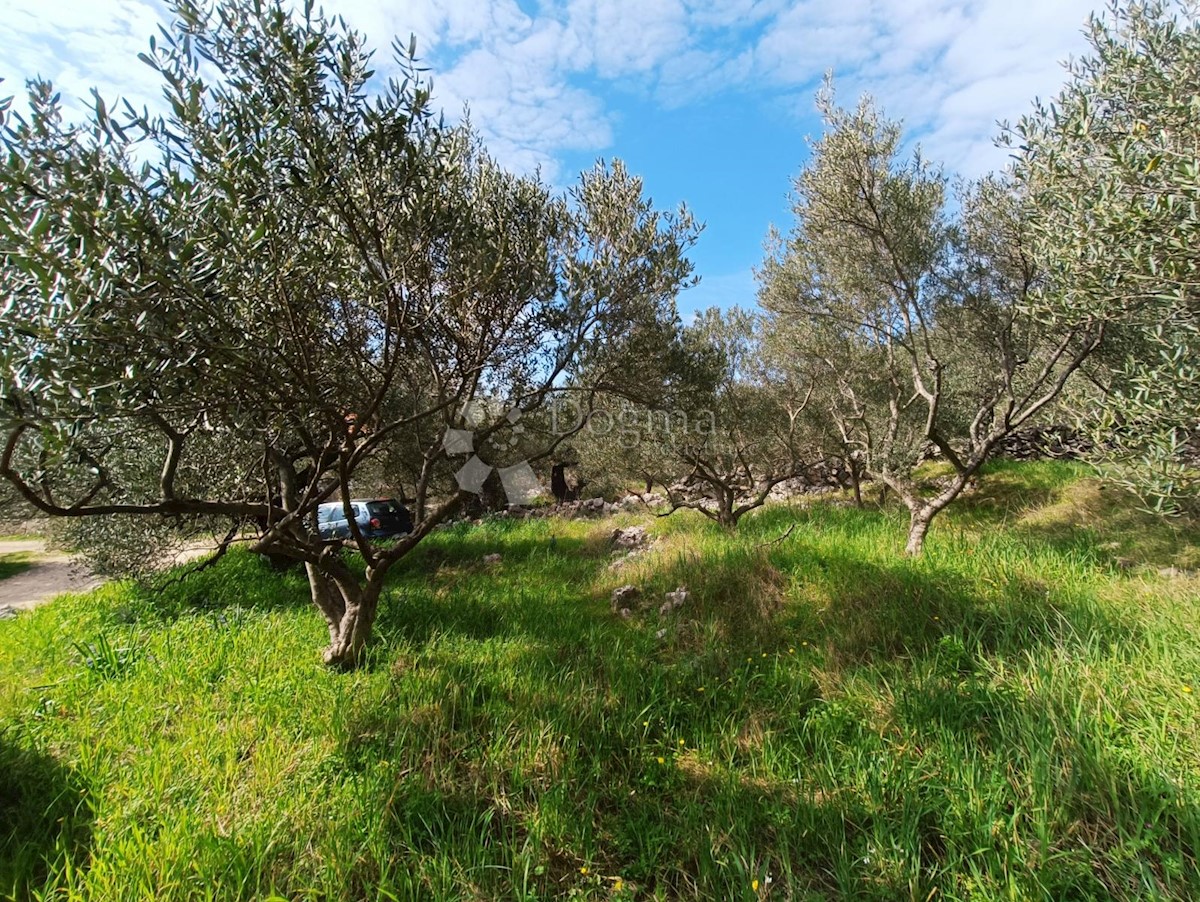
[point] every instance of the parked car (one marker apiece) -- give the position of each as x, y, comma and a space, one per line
377, 519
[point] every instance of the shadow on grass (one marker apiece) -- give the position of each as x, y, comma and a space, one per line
1111, 523
12, 564
239, 580
865, 607
1095, 819
1007, 490
533, 732
45, 821
246, 580
758, 592
870, 612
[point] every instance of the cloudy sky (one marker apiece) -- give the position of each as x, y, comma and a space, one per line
709, 101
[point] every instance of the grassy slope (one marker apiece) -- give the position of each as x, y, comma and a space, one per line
1009, 717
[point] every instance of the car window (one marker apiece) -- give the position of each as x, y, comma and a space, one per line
327, 512
378, 508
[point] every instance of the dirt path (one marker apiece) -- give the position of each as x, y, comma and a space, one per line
49, 575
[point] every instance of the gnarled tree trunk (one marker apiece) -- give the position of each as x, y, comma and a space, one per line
918, 527
349, 611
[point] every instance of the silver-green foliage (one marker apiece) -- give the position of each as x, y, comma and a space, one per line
228, 313
1112, 170
910, 314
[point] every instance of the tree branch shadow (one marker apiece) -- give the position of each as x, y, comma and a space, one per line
45, 819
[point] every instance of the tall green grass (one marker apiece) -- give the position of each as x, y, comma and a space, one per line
1009, 717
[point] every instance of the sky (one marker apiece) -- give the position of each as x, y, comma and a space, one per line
711, 102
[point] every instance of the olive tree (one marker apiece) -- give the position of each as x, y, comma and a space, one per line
1110, 167
913, 316
745, 431
222, 315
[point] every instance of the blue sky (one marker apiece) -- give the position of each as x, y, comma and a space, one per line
710, 102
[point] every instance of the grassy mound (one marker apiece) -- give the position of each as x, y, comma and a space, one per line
1011, 716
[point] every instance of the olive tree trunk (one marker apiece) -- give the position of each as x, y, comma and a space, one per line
918, 526
349, 610
922, 509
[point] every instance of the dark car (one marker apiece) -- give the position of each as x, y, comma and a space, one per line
377, 519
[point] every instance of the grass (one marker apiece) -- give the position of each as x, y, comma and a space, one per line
15, 562
1010, 717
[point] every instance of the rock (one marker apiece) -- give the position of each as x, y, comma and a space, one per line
625, 613
623, 597
677, 598
661, 634
630, 537
491, 559
1035, 442
627, 558
7, 612
1174, 573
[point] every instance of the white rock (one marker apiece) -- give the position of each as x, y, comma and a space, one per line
630, 537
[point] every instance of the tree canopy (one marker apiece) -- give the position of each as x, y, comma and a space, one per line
222, 314
913, 318
1111, 168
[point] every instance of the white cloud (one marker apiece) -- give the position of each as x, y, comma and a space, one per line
629, 36
950, 70
538, 84
80, 44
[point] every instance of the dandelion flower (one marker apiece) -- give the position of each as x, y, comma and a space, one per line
662, 760
645, 723
754, 885
791, 651
681, 742
583, 870
1187, 688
